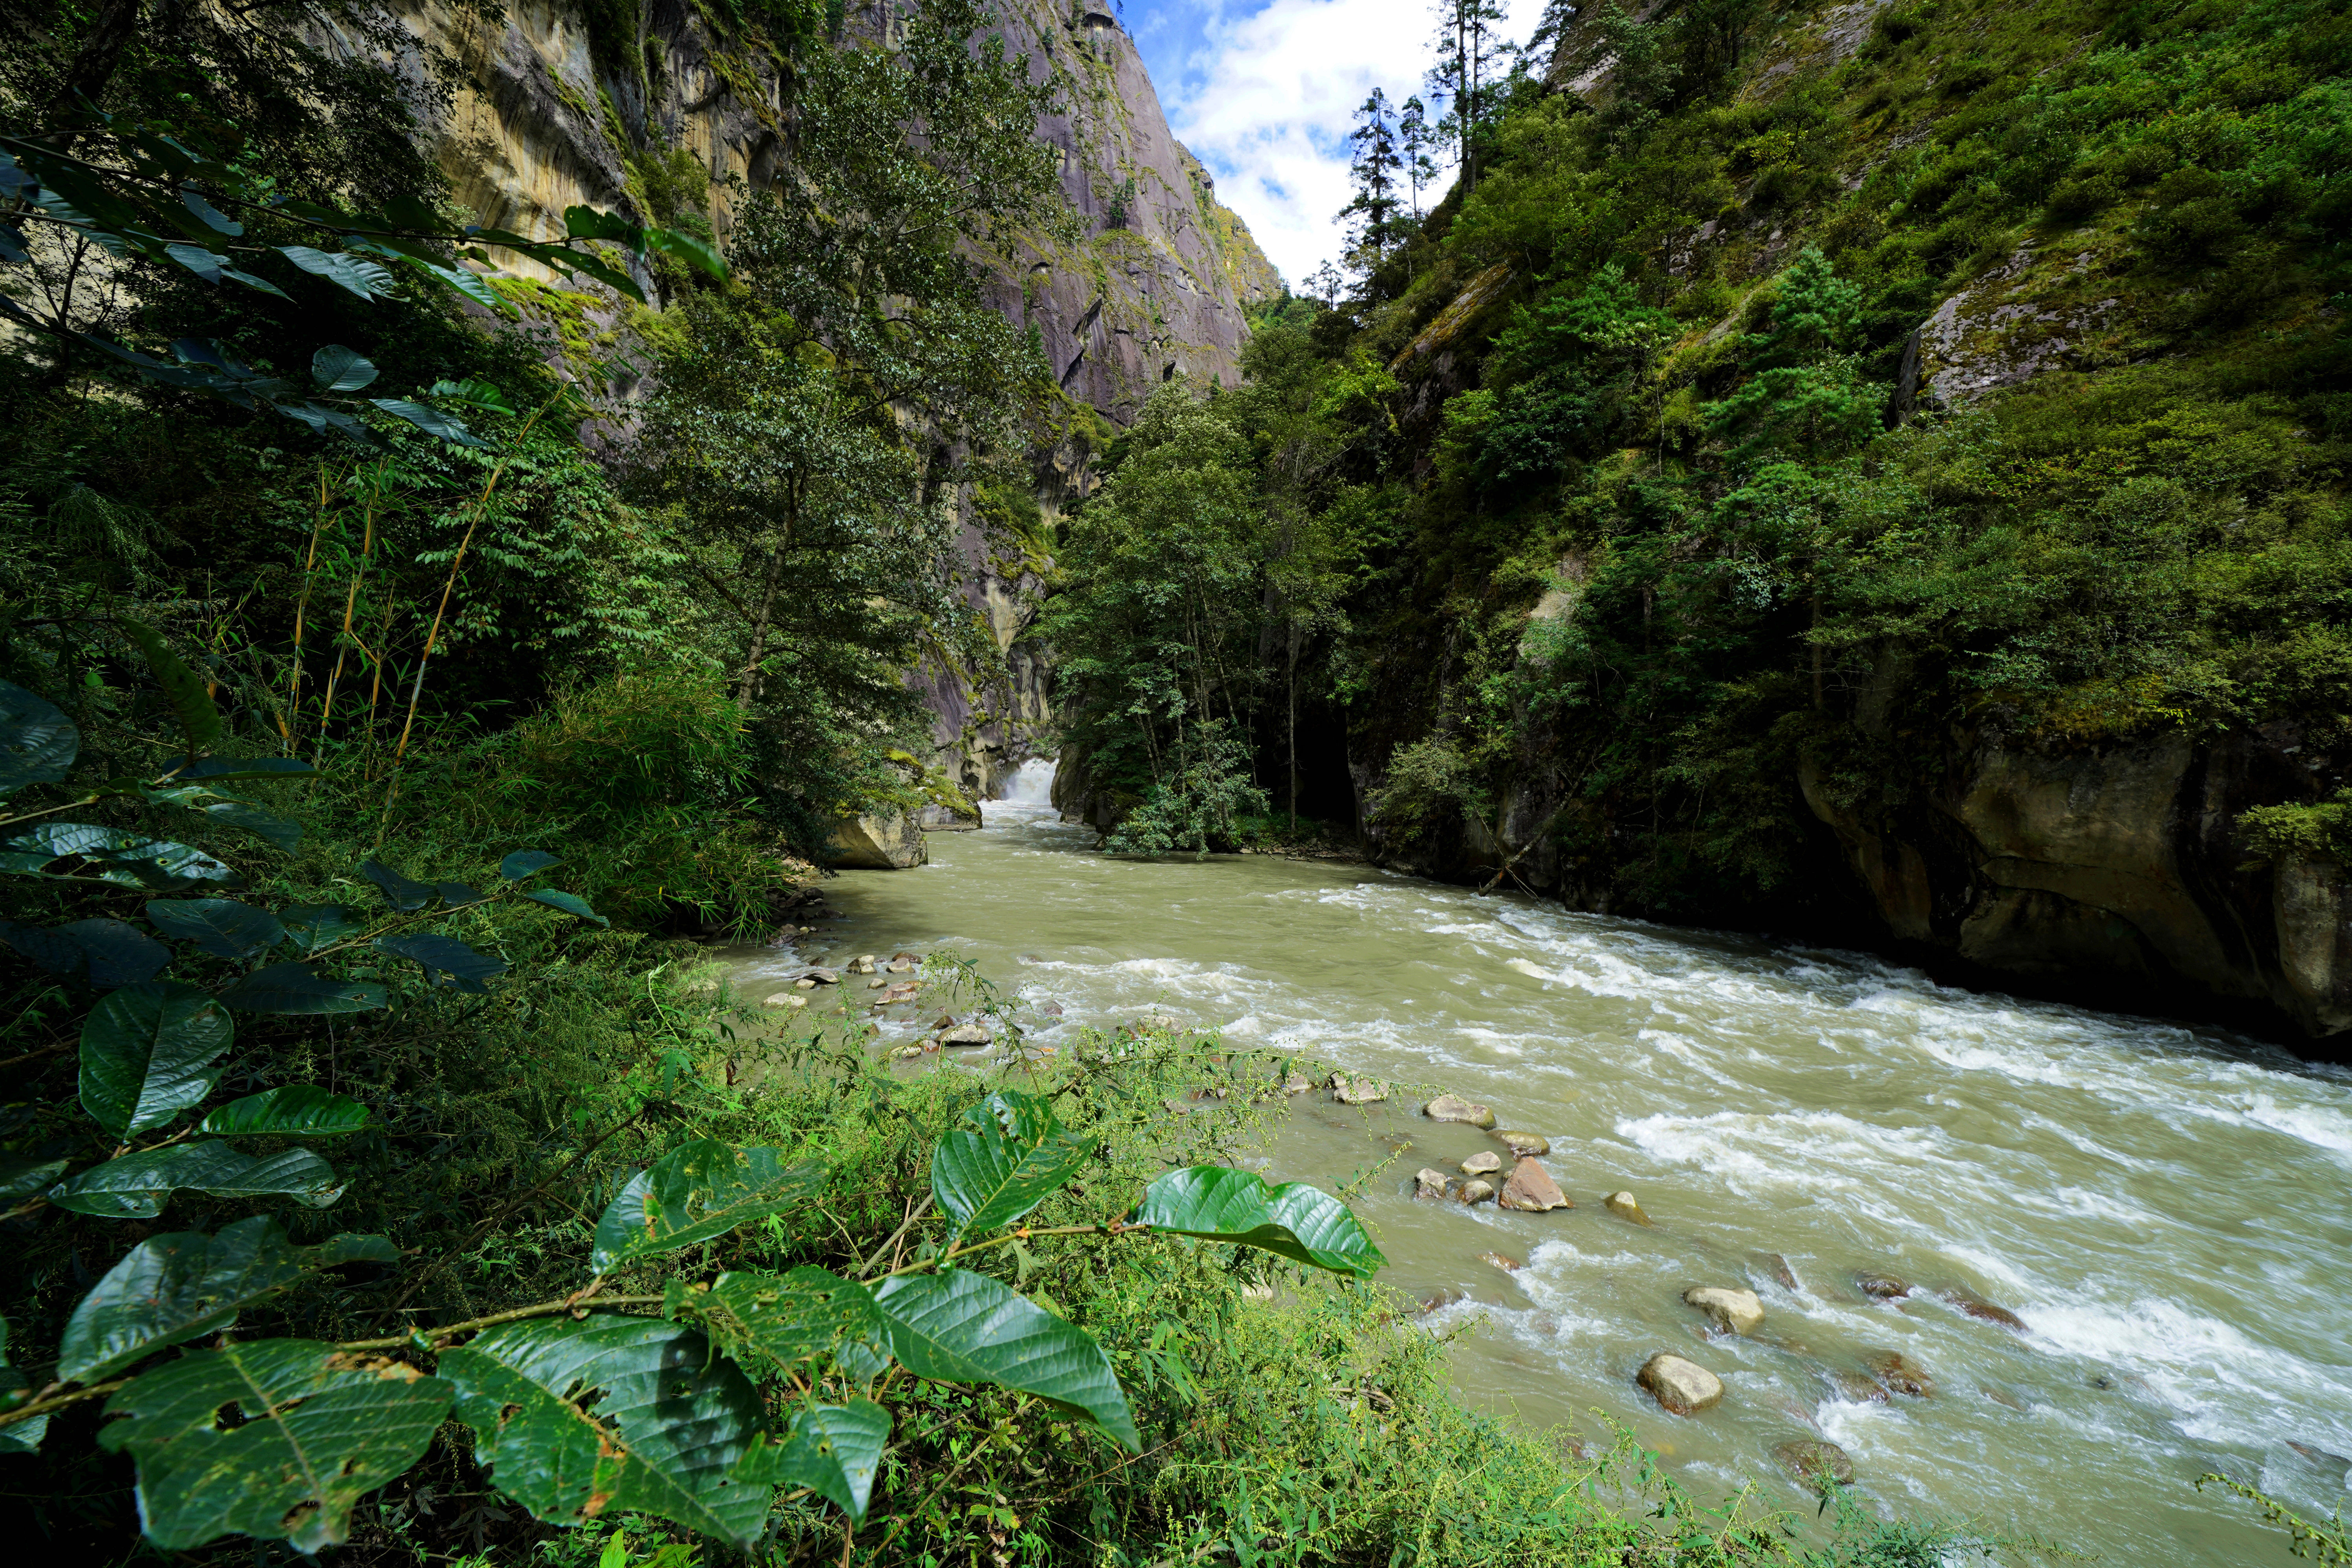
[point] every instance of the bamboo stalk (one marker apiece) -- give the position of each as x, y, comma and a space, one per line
350, 602
302, 608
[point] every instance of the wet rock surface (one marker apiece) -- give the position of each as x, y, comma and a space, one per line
1681, 1387
1731, 1312
1448, 1107
1532, 1189
1813, 1460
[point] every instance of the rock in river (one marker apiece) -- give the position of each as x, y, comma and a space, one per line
1882, 1287
1984, 1311
862, 964
1450, 1108
1525, 1143
1532, 1189
826, 976
1812, 1461
1733, 1311
1624, 1205
1358, 1090
1429, 1183
1683, 1387
1476, 1191
967, 1034
1485, 1163
1507, 1264
1901, 1374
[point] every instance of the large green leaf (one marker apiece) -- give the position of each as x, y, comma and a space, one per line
20, 1437
833, 1450
37, 743
292, 987
1017, 1157
222, 927
803, 1316
961, 1327
275, 1439
608, 1415
147, 1054
136, 1186
172, 1288
294, 1110
107, 952
113, 855
23, 1178
314, 926
525, 863
402, 894
693, 1192
1295, 1220
437, 954
266, 825
571, 904
200, 721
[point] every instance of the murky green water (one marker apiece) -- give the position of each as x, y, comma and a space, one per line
2165, 1208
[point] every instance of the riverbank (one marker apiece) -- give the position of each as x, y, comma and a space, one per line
1849, 1115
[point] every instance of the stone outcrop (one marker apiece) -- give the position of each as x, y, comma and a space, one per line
880, 841
1154, 286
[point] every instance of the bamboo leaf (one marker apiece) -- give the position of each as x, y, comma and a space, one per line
200, 722
693, 1192
577, 1420
291, 1111
37, 743
1297, 1221
961, 1327
148, 1053
1017, 1156
275, 1439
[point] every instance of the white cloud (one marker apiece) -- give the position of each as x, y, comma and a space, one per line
1267, 100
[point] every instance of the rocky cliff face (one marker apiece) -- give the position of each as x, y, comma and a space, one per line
1155, 288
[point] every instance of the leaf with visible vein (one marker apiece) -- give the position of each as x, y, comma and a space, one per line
1297, 1221
578, 1420
291, 1111
802, 1316
315, 1429
147, 1054
136, 1186
961, 1327
697, 1191
1018, 1156
831, 1449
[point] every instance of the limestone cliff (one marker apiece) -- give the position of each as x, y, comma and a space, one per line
546, 115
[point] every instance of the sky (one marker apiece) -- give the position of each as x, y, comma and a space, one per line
1265, 92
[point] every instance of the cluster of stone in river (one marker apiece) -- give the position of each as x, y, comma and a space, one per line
1680, 1386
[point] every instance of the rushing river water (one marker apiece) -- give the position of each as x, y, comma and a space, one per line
2165, 1208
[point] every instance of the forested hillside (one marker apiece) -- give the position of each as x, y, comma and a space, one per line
1873, 472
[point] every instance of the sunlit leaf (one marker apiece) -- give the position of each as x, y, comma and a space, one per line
693, 1192
172, 1288
833, 1450
588, 223
222, 927
37, 743
1297, 1221
148, 1053
692, 249
294, 1110
806, 1315
611, 1414
432, 421
1017, 1157
471, 285
570, 903
136, 1186
275, 1439
961, 1327
363, 278
296, 988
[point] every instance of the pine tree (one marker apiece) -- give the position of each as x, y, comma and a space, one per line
1559, 16
1415, 138
1468, 75
1373, 173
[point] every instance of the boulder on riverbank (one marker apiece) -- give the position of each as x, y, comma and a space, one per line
1624, 1205
1731, 1310
884, 841
1681, 1387
1452, 1108
1522, 1144
1532, 1189
1813, 1461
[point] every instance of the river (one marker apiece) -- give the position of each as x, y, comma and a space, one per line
2164, 1207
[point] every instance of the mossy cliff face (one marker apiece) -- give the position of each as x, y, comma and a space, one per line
2034, 672
552, 110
